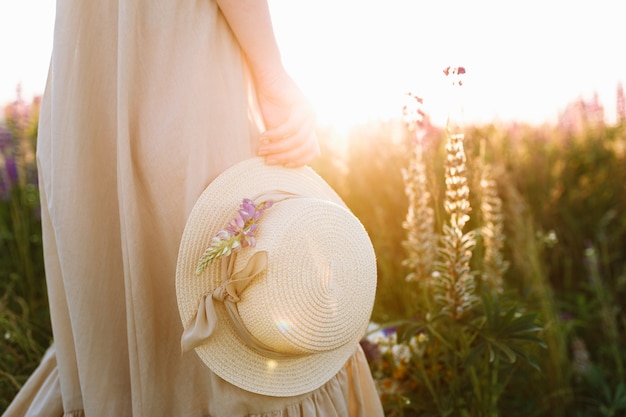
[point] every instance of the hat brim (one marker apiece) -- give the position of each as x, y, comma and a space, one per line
225, 354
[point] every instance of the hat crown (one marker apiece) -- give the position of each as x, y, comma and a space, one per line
309, 299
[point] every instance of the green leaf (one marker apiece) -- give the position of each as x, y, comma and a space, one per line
492, 355
509, 354
409, 331
522, 354
474, 354
619, 399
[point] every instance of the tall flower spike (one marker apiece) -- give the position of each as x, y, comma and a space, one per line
455, 285
21, 121
413, 112
492, 232
421, 240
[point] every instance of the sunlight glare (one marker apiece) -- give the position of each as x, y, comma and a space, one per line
356, 59
526, 61
271, 365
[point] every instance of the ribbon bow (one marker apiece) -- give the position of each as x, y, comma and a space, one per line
204, 322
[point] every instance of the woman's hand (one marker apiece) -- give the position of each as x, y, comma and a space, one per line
290, 138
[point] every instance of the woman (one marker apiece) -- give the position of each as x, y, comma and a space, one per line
147, 101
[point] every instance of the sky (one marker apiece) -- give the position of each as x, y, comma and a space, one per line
356, 59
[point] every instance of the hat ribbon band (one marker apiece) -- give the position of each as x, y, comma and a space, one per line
205, 321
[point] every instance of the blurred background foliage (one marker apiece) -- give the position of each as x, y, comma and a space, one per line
564, 209
25, 331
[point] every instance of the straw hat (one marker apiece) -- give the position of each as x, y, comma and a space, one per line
310, 281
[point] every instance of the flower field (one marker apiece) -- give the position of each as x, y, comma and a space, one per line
501, 261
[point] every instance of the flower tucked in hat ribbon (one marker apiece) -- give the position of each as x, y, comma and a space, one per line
237, 235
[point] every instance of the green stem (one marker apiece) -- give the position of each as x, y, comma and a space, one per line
430, 387
443, 341
476, 385
493, 403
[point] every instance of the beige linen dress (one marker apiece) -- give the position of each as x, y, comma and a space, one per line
146, 103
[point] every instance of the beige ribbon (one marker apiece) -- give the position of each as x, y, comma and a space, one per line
205, 320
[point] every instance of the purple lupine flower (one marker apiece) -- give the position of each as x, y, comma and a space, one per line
248, 209
239, 233
6, 140
388, 331
11, 169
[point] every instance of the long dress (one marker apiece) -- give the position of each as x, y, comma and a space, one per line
146, 103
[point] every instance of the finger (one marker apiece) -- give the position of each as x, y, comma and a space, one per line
294, 139
298, 120
297, 156
279, 152
305, 157
278, 133
284, 144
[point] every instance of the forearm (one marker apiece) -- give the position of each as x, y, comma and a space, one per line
251, 23
289, 138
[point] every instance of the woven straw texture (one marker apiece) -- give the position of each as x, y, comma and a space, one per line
315, 297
